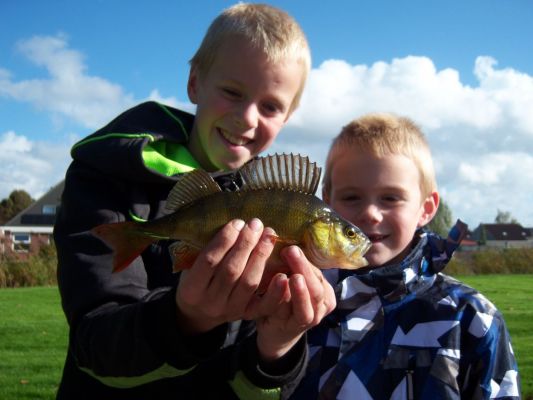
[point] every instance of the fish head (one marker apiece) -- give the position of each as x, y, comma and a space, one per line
333, 242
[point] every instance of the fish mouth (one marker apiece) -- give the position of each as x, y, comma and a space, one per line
233, 139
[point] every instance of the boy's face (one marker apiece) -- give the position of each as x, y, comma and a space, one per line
382, 197
242, 103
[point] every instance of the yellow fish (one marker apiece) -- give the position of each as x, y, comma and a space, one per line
278, 189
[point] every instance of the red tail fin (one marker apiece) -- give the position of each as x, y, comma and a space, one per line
126, 241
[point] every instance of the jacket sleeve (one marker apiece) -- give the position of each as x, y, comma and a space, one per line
490, 366
123, 326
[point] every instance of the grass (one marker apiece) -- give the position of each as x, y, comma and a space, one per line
33, 334
513, 295
33, 343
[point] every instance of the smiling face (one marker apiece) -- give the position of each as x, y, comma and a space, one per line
382, 196
243, 101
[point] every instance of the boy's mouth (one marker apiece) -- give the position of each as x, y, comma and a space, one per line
234, 140
374, 238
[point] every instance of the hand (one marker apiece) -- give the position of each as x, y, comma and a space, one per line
224, 277
291, 305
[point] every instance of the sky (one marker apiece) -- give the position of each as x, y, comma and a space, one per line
462, 70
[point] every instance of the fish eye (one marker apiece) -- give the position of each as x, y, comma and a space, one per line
349, 231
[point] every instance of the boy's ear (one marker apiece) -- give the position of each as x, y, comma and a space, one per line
430, 207
192, 85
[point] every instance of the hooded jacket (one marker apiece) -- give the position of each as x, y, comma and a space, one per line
408, 331
124, 339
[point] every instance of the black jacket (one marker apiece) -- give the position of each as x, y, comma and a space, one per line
124, 339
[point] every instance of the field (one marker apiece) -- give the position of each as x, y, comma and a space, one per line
33, 342
33, 334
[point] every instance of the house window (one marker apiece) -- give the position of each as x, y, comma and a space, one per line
21, 242
49, 209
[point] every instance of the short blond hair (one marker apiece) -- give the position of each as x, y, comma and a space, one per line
267, 28
382, 134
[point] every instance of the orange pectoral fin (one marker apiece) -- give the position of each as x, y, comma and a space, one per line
281, 241
183, 255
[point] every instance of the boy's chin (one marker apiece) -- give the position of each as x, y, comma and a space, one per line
379, 259
235, 163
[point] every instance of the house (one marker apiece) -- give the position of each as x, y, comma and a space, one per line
31, 228
502, 235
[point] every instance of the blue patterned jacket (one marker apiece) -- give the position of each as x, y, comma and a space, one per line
410, 332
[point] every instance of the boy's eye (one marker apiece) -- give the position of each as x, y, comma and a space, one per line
350, 198
232, 93
390, 198
271, 108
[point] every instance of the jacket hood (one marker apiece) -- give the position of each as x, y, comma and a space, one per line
143, 143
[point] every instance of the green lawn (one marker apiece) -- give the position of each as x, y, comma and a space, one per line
33, 342
33, 334
513, 295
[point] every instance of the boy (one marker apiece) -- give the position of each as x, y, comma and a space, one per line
145, 333
401, 329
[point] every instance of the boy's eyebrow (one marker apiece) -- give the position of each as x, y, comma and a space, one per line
351, 188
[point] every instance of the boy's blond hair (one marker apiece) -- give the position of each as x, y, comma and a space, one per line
382, 134
267, 28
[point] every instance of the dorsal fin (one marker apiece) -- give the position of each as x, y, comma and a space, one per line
190, 187
291, 172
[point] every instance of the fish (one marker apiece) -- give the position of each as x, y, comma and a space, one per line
279, 189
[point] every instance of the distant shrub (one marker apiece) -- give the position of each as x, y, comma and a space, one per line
492, 261
38, 270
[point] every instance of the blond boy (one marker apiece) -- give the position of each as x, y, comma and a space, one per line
401, 329
146, 333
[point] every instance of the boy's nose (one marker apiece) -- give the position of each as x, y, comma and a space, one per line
247, 117
371, 213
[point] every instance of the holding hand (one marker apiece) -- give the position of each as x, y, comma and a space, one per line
291, 305
224, 277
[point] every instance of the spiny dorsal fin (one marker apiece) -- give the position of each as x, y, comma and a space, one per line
190, 187
291, 172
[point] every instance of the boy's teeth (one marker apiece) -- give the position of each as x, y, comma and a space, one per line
234, 140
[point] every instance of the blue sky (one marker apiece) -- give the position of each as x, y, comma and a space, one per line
462, 69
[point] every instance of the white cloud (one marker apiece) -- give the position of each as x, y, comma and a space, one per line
512, 90
481, 135
68, 92
31, 166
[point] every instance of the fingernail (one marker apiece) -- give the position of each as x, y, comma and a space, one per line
269, 235
295, 251
299, 280
255, 224
238, 224
280, 281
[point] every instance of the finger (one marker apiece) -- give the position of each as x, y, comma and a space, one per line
270, 302
302, 307
254, 269
232, 266
195, 281
298, 264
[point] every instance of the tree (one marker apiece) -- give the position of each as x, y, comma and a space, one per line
442, 221
17, 201
505, 217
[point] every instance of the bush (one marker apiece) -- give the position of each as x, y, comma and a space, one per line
492, 261
38, 270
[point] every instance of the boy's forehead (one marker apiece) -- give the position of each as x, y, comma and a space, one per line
364, 166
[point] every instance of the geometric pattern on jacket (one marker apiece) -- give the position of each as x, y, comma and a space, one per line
408, 331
